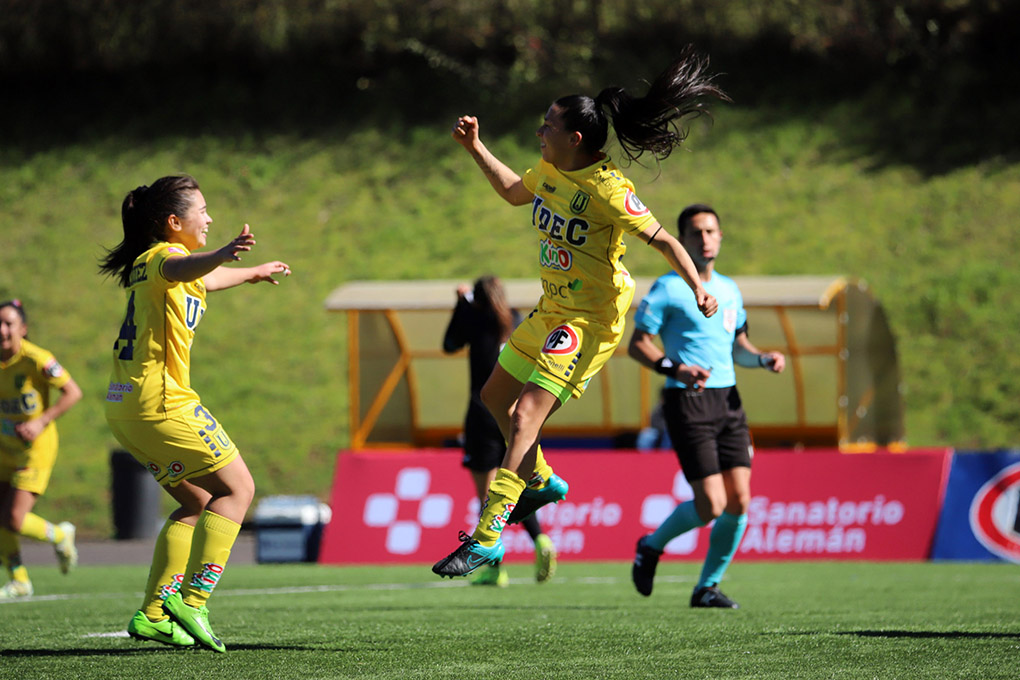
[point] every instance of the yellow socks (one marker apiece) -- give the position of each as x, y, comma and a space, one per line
504, 493
543, 471
210, 548
10, 554
36, 527
169, 560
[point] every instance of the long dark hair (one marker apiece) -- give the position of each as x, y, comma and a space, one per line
144, 214
649, 123
490, 298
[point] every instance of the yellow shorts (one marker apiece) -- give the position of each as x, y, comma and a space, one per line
29, 469
558, 354
189, 445
31, 479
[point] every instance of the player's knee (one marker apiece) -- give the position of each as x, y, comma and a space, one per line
494, 399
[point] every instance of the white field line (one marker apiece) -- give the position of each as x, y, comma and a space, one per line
336, 588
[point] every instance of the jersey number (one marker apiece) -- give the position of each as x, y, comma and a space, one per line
127, 332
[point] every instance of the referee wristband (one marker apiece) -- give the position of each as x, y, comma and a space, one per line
763, 361
665, 366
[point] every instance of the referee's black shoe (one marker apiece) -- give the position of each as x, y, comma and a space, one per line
646, 559
711, 596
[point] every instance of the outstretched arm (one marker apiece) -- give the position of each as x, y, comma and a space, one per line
505, 181
197, 265
222, 278
680, 260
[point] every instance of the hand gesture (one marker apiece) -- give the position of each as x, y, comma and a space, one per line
264, 272
694, 377
242, 242
706, 303
465, 131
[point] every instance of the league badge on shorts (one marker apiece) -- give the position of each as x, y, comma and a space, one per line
562, 340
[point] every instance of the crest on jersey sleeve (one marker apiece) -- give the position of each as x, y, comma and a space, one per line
562, 340
53, 369
633, 205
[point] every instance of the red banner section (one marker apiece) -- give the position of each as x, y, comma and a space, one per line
408, 506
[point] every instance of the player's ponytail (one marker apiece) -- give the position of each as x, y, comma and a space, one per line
144, 213
649, 123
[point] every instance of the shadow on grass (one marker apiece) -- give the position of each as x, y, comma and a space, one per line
923, 634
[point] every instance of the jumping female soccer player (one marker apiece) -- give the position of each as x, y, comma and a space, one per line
28, 446
156, 415
581, 205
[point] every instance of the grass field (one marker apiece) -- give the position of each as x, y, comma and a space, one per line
802, 620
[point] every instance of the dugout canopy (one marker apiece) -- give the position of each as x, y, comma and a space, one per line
841, 386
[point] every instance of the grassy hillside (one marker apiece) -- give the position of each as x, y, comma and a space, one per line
796, 193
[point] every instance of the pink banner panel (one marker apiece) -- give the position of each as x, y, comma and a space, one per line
408, 506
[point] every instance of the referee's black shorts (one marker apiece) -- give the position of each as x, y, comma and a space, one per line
708, 429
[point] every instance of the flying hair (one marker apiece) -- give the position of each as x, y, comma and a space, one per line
653, 123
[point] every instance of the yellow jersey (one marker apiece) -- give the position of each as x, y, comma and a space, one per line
151, 378
25, 383
581, 217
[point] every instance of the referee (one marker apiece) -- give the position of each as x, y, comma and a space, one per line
702, 408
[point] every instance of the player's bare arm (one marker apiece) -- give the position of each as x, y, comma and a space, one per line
197, 265
222, 278
680, 260
505, 181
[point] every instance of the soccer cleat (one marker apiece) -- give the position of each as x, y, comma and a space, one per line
531, 500
195, 620
545, 558
711, 596
468, 556
67, 554
15, 589
167, 631
491, 575
646, 559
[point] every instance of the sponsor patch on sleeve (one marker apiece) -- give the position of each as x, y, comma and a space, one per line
633, 204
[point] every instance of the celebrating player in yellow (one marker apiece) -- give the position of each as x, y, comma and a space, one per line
156, 415
581, 205
28, 446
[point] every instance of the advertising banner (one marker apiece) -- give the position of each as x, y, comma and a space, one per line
979, 515
409, 506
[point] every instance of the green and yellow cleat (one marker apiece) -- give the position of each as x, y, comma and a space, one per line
67, 553
545, 558
195, 620
167, 631
15, 589
491, 575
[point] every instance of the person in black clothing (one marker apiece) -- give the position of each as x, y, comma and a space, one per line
482, 321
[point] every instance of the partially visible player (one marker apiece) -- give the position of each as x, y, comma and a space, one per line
483, 321
28, 446
157, 416
581, 206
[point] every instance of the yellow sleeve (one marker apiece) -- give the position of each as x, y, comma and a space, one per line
627, 210
51, 370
